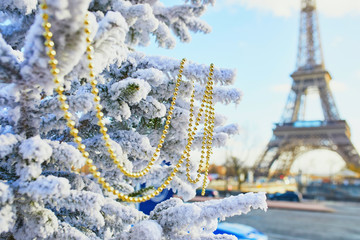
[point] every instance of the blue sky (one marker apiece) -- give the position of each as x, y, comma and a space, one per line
259, 39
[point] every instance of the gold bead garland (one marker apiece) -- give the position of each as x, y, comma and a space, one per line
209, 120
208, 127
100, 115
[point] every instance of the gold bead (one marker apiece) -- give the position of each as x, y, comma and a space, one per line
89, 48
96, 174
46, 25
49, 43
45, 16
171, 108
55, 71
86, 22
56, 80
165, 131
85, 154
174, 98
111, 189
51, 53
88, 40
97, 99
91, 66
93, 82
103, 130
77, 139
178, 165
89, 161
92, 169
106, 137
101, 180
53, 62
167, 182
101, 123
87, 30
159, 145
110, 150
62, 98
106, 185
167, 122
68, 116
64, 106
179, 75
99, 115
175, 94
43, 6
115, 192
98, 107
90, 57
115, 161
74, 132
81, 147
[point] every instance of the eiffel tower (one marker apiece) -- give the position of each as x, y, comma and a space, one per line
293, 136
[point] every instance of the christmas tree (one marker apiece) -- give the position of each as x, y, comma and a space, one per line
43, 195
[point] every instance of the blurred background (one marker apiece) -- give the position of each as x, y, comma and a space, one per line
301, 133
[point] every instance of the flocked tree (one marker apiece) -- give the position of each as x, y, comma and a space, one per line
41, 196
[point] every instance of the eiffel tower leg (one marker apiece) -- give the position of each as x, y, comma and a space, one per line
328, 103
295, 113
348, 152
263, 164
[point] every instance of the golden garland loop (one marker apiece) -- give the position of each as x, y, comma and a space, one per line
74, 132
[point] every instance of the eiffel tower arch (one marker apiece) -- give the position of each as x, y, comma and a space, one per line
293, 136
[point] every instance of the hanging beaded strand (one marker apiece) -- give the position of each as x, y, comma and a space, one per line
207, 123
71, 124
100, 115
74, 132
191, 133
211, 113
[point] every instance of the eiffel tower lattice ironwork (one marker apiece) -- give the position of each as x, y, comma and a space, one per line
294, 136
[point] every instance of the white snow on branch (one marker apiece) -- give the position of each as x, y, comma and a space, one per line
66, 18
24, 7
7, 218
130, 90
66, 155
181, 220
199, 72
46, 187
35, 149
8, 141
9, 64
6, 194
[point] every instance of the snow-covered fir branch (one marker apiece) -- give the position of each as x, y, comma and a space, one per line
41, 197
